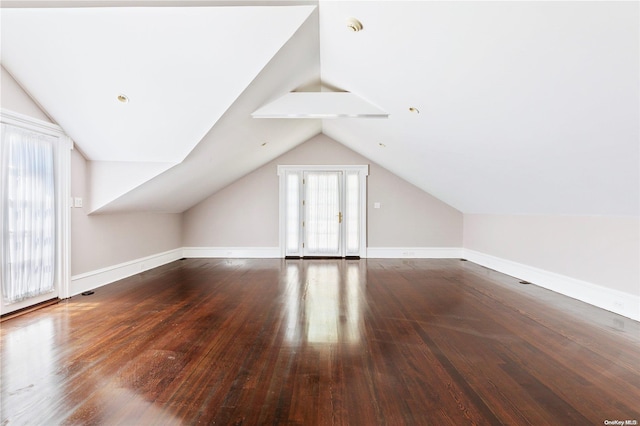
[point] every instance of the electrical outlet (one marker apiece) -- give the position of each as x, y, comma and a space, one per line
77, 202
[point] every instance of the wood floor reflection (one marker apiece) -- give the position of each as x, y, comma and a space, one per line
319, 342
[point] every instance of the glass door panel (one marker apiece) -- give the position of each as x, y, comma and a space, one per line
322, 213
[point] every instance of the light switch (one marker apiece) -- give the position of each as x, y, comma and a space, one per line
376, 205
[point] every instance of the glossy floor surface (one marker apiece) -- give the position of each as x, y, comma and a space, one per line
320, 342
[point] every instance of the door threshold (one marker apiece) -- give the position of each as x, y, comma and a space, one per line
323, 257
28, 309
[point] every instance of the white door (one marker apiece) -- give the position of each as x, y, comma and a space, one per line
322, 205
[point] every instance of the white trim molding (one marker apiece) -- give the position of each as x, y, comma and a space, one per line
27, 122
98, 278
414, 252
232, 252
625, 304
619, 302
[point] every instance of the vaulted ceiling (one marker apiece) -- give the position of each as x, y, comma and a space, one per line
518, 107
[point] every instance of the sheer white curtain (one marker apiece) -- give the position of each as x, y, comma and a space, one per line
322, 228
28, 221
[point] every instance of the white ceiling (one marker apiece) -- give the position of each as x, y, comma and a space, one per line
174, 65
525, 107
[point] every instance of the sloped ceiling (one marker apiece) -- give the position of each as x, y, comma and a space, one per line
180, 68
524, 107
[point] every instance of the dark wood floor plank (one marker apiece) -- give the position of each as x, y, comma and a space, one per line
574, 366
340, 342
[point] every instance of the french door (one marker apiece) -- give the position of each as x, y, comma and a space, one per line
34, 212
323, 211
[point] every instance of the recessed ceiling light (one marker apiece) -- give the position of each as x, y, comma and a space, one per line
123, 98
414, 110
263, 144
382, 145
354, 25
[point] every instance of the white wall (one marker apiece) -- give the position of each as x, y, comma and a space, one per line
601, 250
595, 259
99, 241
245, 214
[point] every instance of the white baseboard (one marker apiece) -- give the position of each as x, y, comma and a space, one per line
616, 301
373, 252
414, 252
232, 252
98, 278
94, 279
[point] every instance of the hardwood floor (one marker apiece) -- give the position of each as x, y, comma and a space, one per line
346, 342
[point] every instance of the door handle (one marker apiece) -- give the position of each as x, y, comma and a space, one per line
340, 217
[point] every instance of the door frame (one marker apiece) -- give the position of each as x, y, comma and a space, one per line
362, 172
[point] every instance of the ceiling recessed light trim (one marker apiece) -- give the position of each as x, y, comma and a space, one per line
414, 110
123, 98
354, 25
